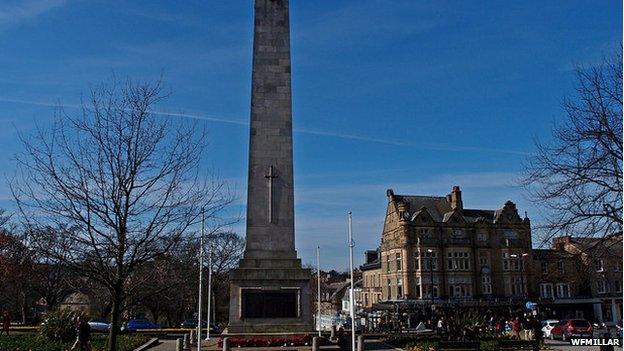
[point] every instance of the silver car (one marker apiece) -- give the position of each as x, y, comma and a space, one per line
99, 324
547, 326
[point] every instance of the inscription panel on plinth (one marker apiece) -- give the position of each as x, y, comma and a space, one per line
259, 303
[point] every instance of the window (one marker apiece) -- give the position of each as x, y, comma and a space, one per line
617, 267
510, 234
599, 265
399, 266
427, 291
431, 261
482, 236
563, 290
486, 285
617, 286
560, 267
399, 288
511, 262
483, 261
516, 285
601, 286
417, 290
416, 260
458, 233
388, 264
424, 233
544, 267
458, 260
546, 290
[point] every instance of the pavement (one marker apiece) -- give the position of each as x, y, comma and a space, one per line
169, 345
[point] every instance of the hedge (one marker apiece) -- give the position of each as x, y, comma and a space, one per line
26, 342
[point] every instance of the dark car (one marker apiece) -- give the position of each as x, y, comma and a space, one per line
136, 324
572, 328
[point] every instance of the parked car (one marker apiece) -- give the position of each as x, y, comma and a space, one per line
136, 324
547, 326
572, 328
99, 324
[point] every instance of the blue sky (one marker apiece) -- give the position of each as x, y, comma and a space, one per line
417, 96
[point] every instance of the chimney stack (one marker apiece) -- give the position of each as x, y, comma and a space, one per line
456, 200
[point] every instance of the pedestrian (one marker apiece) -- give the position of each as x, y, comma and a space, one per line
440, 326
342, 339
6, 322
83, 334
515, 328
538, 334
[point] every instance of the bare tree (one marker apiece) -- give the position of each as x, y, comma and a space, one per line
126, 181
578, 176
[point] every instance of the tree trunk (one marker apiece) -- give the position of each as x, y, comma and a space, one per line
114, 326
23, 306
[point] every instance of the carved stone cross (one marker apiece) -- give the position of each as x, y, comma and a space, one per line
270, 178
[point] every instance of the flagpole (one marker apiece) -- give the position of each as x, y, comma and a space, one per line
352, 294
201, 266
209, 291
318, 289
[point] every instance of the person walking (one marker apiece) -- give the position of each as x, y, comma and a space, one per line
83, 334
515, 328
6, 322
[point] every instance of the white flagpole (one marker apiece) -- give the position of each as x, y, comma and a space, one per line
352, 294
201, 266
318, 289
209, 291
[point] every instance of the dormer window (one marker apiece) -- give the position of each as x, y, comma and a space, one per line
425, 233
599, 265
510, 234
458, 233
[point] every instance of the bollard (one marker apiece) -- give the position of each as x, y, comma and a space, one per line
179, 345
332, 335
187, 345
360, 343
315, 343
226, 344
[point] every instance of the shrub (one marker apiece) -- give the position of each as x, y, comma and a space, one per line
59, 326
23, 342
30, 342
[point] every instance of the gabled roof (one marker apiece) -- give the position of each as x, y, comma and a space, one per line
599, 247
436, 206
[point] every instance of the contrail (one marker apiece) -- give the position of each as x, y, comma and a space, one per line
298, 130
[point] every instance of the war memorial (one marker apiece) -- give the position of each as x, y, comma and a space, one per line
269, 291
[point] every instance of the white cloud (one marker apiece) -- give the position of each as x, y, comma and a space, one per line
13, 12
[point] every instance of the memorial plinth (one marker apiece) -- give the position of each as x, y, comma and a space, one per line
270, 291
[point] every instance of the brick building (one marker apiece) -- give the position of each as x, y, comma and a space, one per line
580, 278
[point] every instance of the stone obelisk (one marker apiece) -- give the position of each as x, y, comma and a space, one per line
269, 291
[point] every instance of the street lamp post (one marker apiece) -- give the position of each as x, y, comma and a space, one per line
318, 289
515, 256
201, 267
351, 294
430, 252
209, 293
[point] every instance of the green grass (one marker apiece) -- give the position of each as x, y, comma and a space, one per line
24, 342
